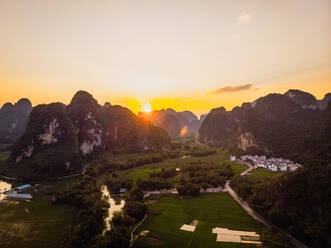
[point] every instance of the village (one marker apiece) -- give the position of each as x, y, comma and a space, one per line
271, 164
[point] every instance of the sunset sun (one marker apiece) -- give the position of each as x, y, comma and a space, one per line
146, 107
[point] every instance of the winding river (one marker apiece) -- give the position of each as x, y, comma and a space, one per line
114, 206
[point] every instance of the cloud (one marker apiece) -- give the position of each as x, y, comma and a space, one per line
244, 18
231, 89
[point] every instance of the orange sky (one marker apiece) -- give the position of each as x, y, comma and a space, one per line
175, 53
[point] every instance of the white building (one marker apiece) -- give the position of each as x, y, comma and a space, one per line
227, 235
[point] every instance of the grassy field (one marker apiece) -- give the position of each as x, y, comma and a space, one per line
38, 223
265, 173
238, 168
3, 158
33, 224
46, 190
141, 173
211, 210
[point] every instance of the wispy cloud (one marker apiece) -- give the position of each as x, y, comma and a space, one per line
244, 18
231, 89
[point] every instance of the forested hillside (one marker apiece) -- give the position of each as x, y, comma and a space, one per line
294, 125
298, 201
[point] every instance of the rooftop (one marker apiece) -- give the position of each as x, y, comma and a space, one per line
25, 186
20, 195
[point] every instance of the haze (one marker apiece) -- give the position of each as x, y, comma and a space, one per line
187, 55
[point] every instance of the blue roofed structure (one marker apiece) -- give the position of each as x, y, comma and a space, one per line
22, 187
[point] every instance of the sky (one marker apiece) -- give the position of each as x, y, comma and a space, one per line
188, 55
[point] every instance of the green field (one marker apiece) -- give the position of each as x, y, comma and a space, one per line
265, 173
141, 173
238, 168
34, 224
211, 210
4, 156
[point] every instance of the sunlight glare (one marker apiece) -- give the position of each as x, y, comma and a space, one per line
146, 107
183, 131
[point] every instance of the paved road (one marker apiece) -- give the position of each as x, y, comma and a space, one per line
134, 237
258, 217
8, 178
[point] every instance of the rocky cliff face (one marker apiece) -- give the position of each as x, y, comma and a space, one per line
58, 136
288, 125
13, 120
49, 145
175, 123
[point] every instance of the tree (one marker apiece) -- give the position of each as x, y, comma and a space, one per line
135, 209
136, 194
120, 219
189, 189
117, 237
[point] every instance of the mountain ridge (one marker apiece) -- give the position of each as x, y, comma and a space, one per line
276, 124
13, 120
59, 137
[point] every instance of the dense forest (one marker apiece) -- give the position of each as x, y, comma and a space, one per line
88, 229
298, 201
85, 197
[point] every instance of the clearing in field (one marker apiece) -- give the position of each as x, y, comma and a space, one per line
212, 210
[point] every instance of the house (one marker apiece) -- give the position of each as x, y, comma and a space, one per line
20, 196
22, 187
272, 164
232, 158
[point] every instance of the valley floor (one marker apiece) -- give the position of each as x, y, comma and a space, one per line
211, 210
34, 224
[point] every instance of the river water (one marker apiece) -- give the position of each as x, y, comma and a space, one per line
114, 206
3, 188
